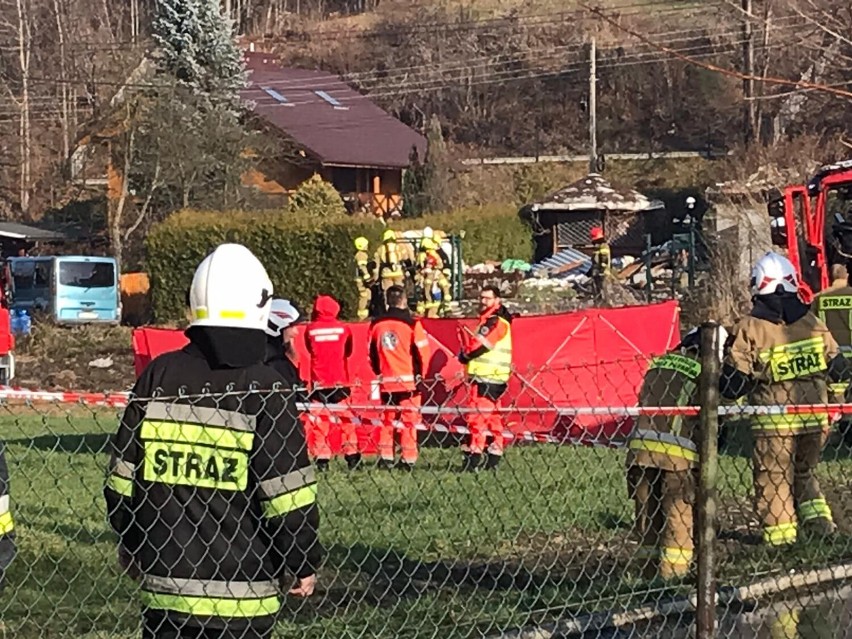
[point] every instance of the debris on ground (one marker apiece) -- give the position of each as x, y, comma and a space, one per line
101, 362
75, 358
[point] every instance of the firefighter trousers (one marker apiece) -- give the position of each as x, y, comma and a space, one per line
485, 419
392, 280
333, 400
405, 408
430, 306
785, 482
364, 297
664, 519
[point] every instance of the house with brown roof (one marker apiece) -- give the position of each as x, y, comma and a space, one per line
315, 124
325, 126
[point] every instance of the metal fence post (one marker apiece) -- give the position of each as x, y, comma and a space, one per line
708, 396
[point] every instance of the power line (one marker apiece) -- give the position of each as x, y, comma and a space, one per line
482, 63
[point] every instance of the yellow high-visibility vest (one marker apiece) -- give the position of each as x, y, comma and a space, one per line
495, 366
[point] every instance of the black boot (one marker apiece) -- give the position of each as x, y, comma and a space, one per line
492, 461
322, 465
404, 466
353, 461
470, 463
385, 464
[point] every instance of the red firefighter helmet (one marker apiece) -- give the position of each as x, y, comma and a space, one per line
596, 233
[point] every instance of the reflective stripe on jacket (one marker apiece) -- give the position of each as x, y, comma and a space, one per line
663, 441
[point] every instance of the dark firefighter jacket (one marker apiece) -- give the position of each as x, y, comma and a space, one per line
212, 494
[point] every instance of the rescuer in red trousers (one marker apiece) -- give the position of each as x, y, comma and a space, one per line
329, 344
399, 356
487, 353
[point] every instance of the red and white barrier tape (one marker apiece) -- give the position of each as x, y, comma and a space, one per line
121, 399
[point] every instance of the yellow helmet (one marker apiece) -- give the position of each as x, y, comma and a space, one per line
361, 243
389, 236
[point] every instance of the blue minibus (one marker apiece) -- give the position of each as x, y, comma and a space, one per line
71, 289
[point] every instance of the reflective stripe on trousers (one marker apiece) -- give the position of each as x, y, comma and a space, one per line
815, 509
665, 443
780, 534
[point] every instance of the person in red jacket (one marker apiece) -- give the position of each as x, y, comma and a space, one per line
328, 341
399, 356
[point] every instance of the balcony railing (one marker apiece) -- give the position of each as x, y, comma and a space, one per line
377, 204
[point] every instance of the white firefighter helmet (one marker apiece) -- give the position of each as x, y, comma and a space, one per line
771, 271
692, 341
281, 315
428, 232
230, 288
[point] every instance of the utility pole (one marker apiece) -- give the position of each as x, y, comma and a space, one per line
593, 118
750, 110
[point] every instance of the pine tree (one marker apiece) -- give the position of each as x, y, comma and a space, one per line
196, 47
436, 170
412, 186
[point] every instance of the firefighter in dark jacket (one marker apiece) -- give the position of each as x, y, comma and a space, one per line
7, 524
662, 459
210, 489
783, 354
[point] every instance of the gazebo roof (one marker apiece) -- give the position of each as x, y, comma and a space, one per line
593, 192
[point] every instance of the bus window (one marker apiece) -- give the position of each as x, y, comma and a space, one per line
42, 275
23, 273
87, 274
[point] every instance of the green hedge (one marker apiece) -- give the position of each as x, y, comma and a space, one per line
305, 257
490, 233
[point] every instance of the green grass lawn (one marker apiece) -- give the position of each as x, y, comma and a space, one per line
430, 554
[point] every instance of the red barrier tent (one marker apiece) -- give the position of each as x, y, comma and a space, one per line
592, 358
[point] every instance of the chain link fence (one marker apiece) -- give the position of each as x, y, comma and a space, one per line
585, 525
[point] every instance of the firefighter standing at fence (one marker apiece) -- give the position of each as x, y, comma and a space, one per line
487, 354
399, 356
328, 341
444, 277
601, 269
662, 460
363, 277
431, 268
210, 490
783, 354
7, 524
